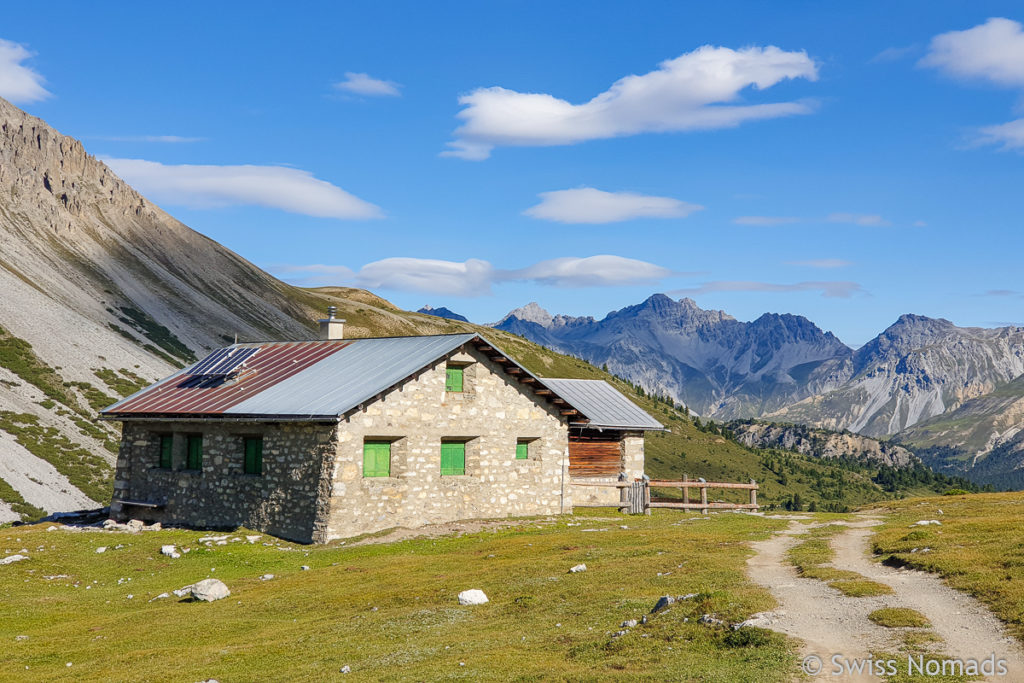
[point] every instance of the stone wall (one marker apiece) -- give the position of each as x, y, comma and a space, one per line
491, 414
288, 500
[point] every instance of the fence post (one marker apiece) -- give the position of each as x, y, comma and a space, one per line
686, 491
647, 497
704, 499
636, 502
753, 494
623, 498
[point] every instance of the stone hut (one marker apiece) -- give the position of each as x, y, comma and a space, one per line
317, 440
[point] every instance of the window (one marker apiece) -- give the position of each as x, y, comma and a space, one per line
454, 379
166, 451
522, 449
453, 458
194, 452
253, 463
377, 459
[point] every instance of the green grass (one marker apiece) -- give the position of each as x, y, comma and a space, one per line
124, 382
899, 617
17, 356
977, 549
390, 611
19, 505
86, 471
812, 554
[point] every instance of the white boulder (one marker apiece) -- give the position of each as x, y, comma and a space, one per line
473, 596
209, 590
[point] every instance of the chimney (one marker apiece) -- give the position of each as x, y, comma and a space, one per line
331, 327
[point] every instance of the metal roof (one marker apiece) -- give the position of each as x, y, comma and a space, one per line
326, 379
294, 379
602, 403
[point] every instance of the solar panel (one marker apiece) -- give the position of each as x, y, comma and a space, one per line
223, 362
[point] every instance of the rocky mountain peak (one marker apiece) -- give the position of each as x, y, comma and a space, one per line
531, 313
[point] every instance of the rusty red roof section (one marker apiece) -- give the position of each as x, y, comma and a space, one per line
188, 395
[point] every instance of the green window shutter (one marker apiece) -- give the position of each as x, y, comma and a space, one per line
194, 459
453, 458
376, 459
453, 379
253, 455
166, 451
522, 450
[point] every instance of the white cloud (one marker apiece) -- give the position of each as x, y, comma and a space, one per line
364, 84
1007, 135
472, 277
871, 220
841, 290
698, 90
765, 221
593, 271
475, 277
993, 51
821, 263
589, 205
19, 83
278, 187
893, 54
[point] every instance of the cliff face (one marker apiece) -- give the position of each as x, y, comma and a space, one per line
820, 443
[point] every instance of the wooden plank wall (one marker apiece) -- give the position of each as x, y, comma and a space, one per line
594, 457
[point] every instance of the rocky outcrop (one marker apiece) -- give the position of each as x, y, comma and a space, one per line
820, 443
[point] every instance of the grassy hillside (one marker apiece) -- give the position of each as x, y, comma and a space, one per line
390, 611
976, 548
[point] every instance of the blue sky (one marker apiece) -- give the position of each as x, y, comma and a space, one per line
845, 161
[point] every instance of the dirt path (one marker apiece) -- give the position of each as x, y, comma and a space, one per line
830, 623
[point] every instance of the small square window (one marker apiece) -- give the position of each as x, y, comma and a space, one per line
453, 459
522, 449
377, 459
253, 463
194, 452
166, 451
454, 379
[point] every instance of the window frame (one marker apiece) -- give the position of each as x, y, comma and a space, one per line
191, 439
255, 469
165, 451
370, 445
449, 372
453, 471
523, 445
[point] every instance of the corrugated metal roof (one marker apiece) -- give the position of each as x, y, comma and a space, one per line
294, 379
326, 379
356, 373
602, 403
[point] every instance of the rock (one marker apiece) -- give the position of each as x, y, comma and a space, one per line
346, 669
184, 591
266, 577
101, 549
21, 637
759, 620
170, 551
643, 619
630, 623
578, 568
926, 522
688, 596
663, 603
209, 590
474, 596
253, 539
162, 596
155, 526
304, 567
129, 596
619, 634
135, 525
51, 528
709, 620
11, 559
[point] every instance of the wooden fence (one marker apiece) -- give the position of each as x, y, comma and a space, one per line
635, 496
